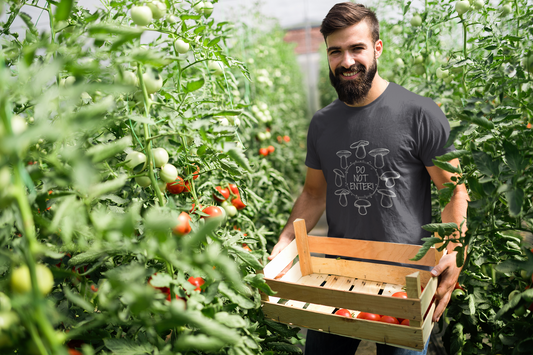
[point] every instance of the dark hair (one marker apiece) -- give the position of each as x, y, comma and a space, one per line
347, 14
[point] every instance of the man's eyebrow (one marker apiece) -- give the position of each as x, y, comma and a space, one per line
359, 44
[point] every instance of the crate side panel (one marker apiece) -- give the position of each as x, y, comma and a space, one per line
398, 335
335, 283
308, 280
293, 275
284, 258
365, 249
396, 307
366, 271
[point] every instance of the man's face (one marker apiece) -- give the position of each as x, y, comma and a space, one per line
352, 62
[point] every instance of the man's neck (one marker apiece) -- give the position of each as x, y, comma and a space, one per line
378, 87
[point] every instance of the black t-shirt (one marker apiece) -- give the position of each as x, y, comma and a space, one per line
374, 160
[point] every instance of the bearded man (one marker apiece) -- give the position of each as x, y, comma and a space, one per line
369, 161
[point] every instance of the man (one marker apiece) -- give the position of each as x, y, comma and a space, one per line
369, 160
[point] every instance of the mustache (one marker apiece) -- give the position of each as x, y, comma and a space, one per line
355, 67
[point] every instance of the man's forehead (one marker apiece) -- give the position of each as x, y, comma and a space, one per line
358, 33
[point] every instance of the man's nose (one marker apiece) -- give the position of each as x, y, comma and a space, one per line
347, 60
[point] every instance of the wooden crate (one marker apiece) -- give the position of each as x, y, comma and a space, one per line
314, 287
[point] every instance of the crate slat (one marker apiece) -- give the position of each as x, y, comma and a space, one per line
335, 283
365, 270
391, 289
372, 250
309, 280
397, 335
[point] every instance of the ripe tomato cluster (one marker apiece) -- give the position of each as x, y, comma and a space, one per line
285, 139
266, 151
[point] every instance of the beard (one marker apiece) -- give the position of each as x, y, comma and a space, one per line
354, 91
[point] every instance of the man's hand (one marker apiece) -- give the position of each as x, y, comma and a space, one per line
448, 273
282, 243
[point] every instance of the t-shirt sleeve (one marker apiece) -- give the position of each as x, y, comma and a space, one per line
434, 131
312, 160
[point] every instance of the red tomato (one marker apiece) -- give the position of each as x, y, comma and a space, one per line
263, 151
246, 247
183, 227
234, 189
237, 202
94, 288
196, 281
287, 139
213, 212
279, 138
196, 174
176, 187
400, 294
271, 149
344, 312
457, 286
369, 316
224, 192
187, 187
389, 319
74, 352
405, 322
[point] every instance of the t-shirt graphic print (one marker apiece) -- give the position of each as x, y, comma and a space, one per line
361, 176
374, 160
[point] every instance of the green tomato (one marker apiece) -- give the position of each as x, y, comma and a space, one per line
398, 63
448, 79
416, 21
21, 282
18, 124
199, 7
418, 59
432, 59
506, 10
419, 69
159, 9
458, 295
215, 67
527, 63
134, 159
397, 29
141, 15
128, 78
181, 46
162, 185
7, 319
143, 181
168, 173
462, 7
441, 74
230, 210
5, 303
479, 4
208, 9
160, 157
520, 311
152, 81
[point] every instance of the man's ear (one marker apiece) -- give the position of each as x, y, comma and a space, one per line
378, 48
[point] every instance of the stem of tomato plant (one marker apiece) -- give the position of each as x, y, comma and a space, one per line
465, 53
148, 148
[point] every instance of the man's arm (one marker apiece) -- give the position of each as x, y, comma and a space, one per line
309, 206
454, 211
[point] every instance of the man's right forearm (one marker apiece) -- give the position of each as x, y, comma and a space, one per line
308, 207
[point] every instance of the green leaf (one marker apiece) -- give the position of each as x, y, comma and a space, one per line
515, 198
27, 20
444, 229
447, 166
63, 10
452, 155
213, 41
247, 257
234, 297
455, 133
428, 243
485, 163
230, 320
78, 301
128, 347
201, 342
480, 121
280, 347
107, 187
195, 85
238, 156
105, 151
514, 159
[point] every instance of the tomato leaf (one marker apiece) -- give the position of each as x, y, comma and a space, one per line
444, 165
515, 198
194, 85
428, 243
63, 10
235, 297
107, 187
247, 257
230, 320
127, 347
238, 156
452, 155
78, 301
214, 41
198, 342
27, 20
102, 152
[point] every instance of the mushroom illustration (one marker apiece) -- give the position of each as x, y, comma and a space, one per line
344, 155
386, 198
362, 205
343, 200
378, 155
360, 148
389, 177
339, 175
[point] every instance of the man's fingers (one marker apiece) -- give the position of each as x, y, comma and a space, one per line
441, 306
